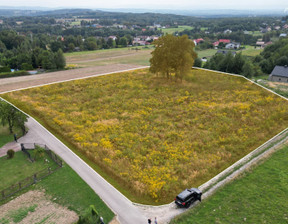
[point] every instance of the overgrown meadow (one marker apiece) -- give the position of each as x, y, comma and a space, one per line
154, 136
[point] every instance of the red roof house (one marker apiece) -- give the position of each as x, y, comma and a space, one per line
225, 41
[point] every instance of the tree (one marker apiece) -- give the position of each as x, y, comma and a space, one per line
197, 62
173, 56
60, 59
11, 116
90, 44
248, 69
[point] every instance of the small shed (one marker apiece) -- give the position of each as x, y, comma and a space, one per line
279, 74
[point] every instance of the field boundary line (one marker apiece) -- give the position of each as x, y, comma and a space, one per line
218, 175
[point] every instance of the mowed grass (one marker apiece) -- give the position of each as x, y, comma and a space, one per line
20, 167
206, 53
110, 56
6, 136
153, 136
178, 29
260, 196
66, 188
251, 51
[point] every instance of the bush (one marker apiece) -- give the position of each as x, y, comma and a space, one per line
26, 66
89, 216
5, 69
10, 153
13, 74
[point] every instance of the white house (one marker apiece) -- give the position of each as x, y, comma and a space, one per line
232, 46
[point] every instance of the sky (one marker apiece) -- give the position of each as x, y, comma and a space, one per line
152, 4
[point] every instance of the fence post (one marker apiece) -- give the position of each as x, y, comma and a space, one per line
35, 178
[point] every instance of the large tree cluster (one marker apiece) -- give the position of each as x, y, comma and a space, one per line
173, 56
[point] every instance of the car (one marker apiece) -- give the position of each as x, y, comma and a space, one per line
187, 197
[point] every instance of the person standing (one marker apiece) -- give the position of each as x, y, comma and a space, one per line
155, 221
15, 137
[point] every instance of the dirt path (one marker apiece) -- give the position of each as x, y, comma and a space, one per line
8, 84
41, 210
11, 145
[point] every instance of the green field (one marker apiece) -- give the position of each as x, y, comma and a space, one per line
72, 192
250, 51
110, 56
147, 134
260, 196
206, 53
64, 185
179, 29
19, 168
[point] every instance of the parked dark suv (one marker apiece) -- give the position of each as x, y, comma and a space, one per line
187, 197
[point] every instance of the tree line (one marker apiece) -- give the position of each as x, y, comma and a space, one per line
274, 54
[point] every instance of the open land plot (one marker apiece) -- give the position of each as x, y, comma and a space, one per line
260, 196
251, 51
206, 53
110, 56
156, 137
178, 29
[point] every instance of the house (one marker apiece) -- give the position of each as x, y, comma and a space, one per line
227, 31
215, 44
260, 44
226, 52
279, 74
285, 26
225, 41
283, 35
112, 37
233, 46
197, 41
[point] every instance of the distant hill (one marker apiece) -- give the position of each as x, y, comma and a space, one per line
41, 11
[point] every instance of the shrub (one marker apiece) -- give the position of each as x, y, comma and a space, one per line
5, 69
13, 74
26, 66
89, 216
10, 153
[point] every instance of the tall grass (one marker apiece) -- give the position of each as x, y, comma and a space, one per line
155, 136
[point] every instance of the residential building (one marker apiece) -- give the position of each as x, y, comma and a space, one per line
279, 74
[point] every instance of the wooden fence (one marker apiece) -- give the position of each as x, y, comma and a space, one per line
24, 183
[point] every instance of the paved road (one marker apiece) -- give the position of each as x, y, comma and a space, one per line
126, 211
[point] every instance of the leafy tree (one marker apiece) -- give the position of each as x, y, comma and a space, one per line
173, 56
60, 59
90, 44
198, 62
90, 216
71, 47
56, 45
123, 41
11, 116
248, 69
26, 66
111, 43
